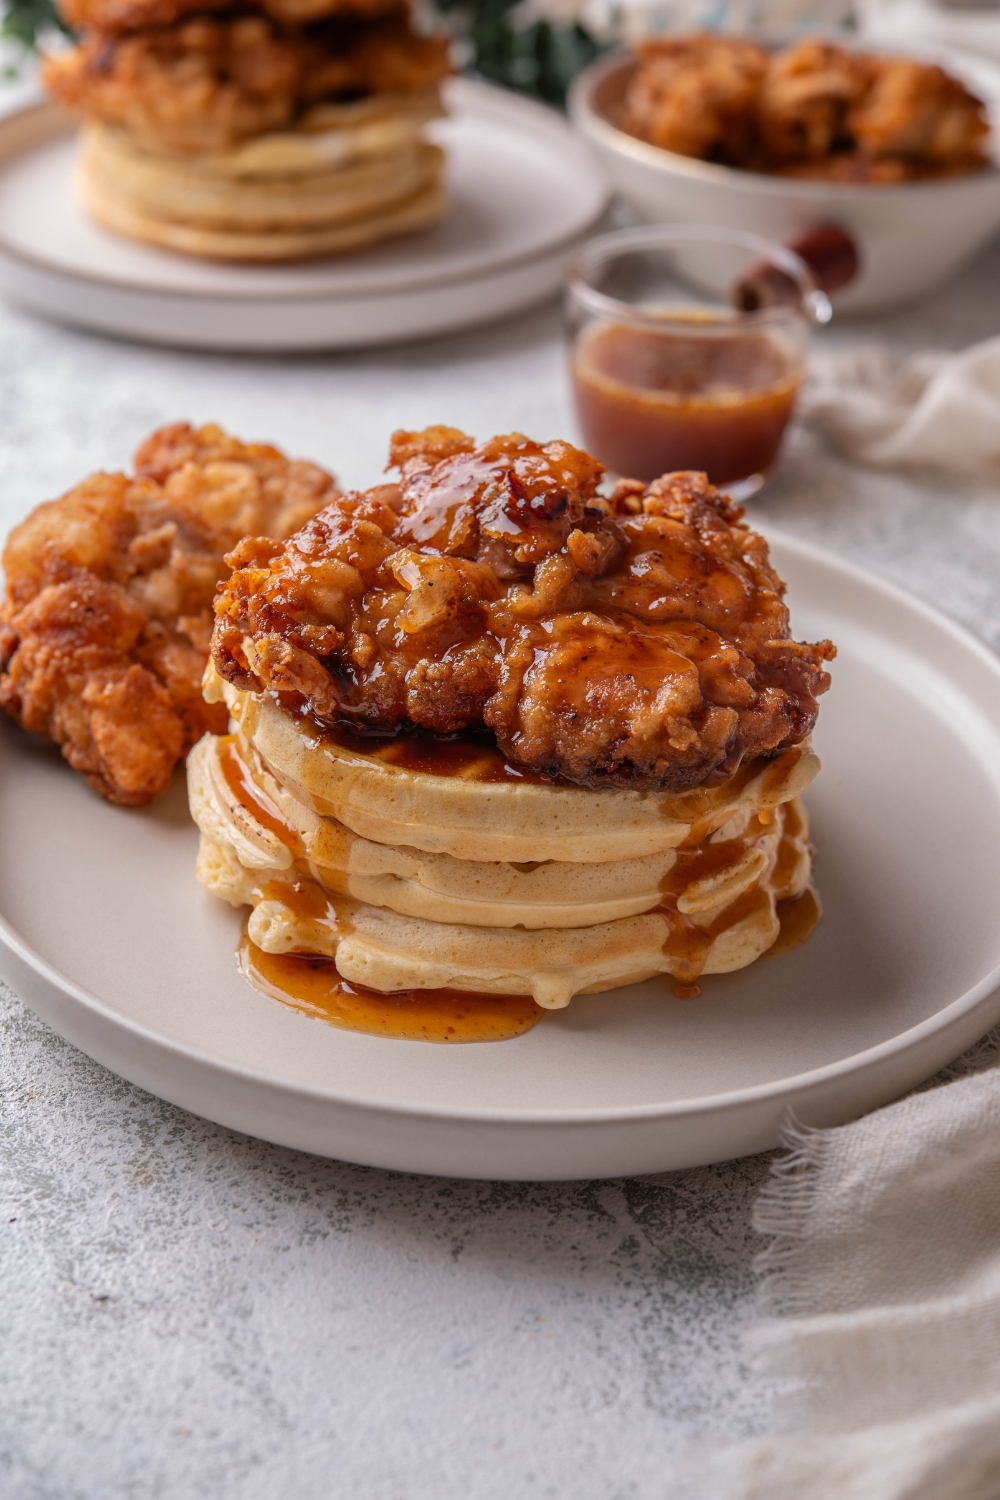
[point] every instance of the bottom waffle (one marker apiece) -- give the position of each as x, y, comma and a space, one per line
717, 913
425, 208
322, 203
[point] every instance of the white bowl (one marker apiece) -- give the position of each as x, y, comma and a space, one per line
910, 236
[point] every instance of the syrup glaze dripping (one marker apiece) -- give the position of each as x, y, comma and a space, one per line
253, 799
312, 985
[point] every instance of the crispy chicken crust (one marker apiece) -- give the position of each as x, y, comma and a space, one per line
209, 83
696, 95
107, 619
116, 17
633, 641
811, 110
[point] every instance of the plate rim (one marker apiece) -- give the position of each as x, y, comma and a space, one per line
476, 90
855, 1063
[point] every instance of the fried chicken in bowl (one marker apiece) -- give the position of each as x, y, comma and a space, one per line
729, 101
107, 615
898, 152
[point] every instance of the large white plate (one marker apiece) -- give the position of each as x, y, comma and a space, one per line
524, 194
106, 934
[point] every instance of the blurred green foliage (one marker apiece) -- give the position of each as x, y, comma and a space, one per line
539, 58
26, 21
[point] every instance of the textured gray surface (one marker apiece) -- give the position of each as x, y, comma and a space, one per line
186, 1312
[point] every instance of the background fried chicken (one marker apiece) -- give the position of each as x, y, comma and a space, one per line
811, 110
639, 641
115, 17
210, 82
696, 95
806, 97
106, 622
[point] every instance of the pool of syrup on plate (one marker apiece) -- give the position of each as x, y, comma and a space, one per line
313, 985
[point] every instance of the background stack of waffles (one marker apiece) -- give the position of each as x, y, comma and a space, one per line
284, 131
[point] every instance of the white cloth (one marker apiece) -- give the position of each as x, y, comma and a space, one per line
934, 410
881, 1303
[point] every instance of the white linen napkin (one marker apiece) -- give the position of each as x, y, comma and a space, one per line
934, 409
881, 1303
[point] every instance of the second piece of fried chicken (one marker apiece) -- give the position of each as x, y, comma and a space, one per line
806, 95
918, 112
638, 641
211, 82
118, 17
105, 627
696, 95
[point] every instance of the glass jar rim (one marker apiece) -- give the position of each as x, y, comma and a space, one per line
814, 305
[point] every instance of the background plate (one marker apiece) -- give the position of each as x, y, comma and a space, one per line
524, 194
104, 931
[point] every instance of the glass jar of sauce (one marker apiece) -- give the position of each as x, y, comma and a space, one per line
667, 375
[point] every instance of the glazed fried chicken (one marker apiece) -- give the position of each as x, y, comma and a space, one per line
208, 83
106, 623
116, 17
812, 110
696, 95
633, 641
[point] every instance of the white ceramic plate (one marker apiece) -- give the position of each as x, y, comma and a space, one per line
104, 931
524, 194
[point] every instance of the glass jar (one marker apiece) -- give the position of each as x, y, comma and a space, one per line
688, 345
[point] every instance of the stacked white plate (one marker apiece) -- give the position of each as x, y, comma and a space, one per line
524, 192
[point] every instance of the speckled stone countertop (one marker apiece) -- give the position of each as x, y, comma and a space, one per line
189, 1313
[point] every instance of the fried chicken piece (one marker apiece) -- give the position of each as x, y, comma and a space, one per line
908, 119
813, 110
118, 17
696, 95
639, 641
207, 84
918, 112
107, 619
806, 95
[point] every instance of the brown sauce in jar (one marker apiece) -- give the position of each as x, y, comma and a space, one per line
651, 402
312, 984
